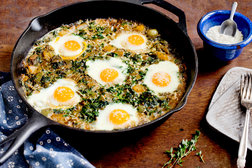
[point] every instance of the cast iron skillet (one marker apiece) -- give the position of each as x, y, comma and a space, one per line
174, 33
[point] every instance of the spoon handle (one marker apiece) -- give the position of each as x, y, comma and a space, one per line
234, 6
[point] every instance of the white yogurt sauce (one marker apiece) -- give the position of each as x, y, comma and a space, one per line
214, 34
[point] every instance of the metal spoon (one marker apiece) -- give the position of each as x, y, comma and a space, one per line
229, 27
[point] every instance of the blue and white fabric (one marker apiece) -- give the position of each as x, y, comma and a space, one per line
48, 151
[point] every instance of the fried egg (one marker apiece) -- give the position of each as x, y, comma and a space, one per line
69, 46
61, 94
162, 77
131, 41
116, 116
108, 71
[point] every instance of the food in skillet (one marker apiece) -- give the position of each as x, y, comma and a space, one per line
103, 74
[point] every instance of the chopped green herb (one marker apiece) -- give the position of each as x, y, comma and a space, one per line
97, 36
130, 69
89, 111
112, 54
100, 29
38, 50
127, 54
54, 33
125, 23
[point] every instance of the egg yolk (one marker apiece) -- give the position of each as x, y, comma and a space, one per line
161, 79
72, 45
108, 75
119, 116
63, 94
136, 39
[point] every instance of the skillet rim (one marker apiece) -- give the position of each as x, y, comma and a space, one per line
180, 105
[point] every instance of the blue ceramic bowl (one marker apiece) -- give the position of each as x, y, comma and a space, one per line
224, 52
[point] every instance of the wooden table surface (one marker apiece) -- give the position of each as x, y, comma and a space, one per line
148, 149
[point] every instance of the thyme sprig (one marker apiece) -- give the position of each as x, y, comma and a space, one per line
185, 148
201, 156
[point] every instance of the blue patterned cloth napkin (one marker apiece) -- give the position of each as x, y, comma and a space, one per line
50, 151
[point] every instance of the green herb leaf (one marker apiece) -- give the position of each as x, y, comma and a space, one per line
184, 149
201, 156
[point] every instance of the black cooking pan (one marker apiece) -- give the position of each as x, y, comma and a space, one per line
174, 33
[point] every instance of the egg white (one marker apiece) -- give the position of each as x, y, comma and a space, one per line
59, 48
164, 66
94, 68
103, 122
121, 41
45, 99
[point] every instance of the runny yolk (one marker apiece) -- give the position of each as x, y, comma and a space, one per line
72, 45
135, 39
161, 79
75, 56
63, 94
119, 116
108, 75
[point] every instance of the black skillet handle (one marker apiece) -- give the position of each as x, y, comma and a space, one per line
172, 9
33, 124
